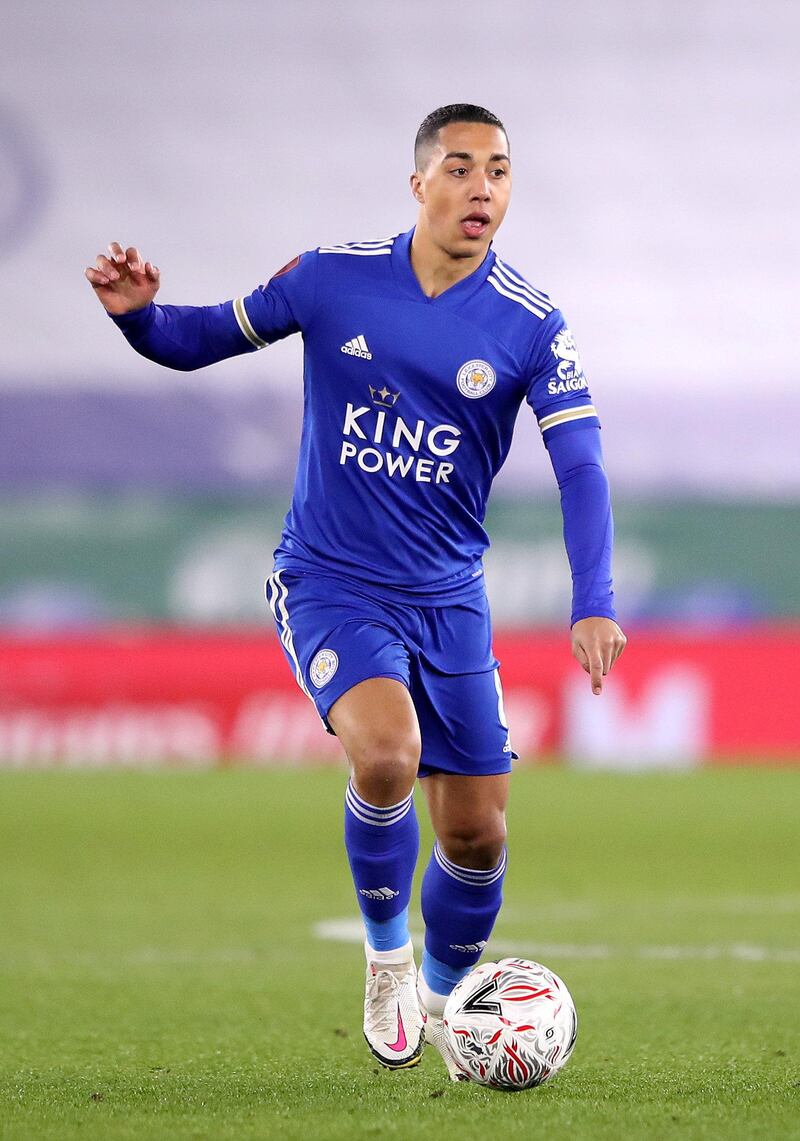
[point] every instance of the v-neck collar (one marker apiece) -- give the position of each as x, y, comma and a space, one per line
411, 288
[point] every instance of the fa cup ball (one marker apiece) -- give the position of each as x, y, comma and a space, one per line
510, 1025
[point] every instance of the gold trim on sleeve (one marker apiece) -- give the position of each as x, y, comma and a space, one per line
243, 321
580, 413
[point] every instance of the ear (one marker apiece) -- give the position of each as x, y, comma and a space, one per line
416, 187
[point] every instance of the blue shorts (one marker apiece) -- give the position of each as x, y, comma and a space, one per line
335, 635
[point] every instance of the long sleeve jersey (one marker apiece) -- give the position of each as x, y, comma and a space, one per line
409, 410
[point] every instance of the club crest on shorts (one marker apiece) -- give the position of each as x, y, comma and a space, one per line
475, 379
323, 667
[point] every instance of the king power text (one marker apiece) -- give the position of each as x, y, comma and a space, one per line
370, 425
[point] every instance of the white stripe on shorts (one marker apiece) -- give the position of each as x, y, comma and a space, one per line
277, 596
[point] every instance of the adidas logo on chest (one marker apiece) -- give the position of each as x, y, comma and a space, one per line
357, 347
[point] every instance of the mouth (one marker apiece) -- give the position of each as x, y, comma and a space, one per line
475, 225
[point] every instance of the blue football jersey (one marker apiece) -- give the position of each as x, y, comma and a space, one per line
410, 404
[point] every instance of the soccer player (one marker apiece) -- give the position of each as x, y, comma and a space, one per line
419, 350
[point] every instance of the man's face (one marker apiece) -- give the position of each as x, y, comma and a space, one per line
465, 187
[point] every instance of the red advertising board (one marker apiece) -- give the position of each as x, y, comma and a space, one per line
142, 698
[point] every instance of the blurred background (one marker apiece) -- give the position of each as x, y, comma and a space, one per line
655, 197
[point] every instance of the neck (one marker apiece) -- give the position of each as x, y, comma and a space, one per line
435, 268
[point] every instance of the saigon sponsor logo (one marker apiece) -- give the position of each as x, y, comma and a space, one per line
559, 387
476, 379
323, 667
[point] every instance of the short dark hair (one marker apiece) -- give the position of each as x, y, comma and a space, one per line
453, 113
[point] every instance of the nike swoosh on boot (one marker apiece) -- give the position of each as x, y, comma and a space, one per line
401, 1043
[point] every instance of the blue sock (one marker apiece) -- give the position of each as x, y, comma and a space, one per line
459, 906
382, 847
438, 975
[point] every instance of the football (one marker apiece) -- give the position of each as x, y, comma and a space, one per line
511, 1024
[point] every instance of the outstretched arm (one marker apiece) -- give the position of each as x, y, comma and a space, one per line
185, 336
577, 459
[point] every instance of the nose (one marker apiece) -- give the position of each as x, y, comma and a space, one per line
481, 190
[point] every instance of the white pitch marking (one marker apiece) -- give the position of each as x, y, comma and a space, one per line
352, 931
759, 905
580, 909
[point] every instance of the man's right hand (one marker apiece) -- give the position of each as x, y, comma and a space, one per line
123, 281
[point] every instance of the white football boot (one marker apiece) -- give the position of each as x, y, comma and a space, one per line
394, 1025
435, 1036
432, 1006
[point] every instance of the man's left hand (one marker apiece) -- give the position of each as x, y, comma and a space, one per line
597, 643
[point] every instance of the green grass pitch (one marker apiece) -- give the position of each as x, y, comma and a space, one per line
160, 976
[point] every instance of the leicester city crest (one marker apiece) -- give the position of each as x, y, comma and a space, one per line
475, 379
323, 667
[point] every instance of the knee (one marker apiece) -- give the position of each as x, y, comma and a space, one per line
476, 844
385, 767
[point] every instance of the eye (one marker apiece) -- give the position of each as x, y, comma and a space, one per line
499, 171
459, 170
